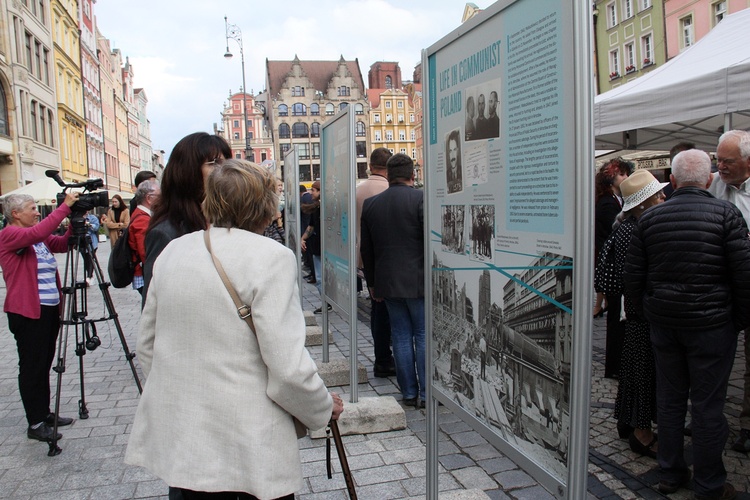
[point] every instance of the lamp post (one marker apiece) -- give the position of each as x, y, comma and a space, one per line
233, 32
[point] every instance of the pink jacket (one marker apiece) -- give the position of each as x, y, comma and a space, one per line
20, 271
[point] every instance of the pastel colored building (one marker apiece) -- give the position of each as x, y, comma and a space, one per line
258, 145
687, 21
629, 40
92, 99
108, 84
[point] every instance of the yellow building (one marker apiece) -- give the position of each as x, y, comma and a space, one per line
392, 115
70, 115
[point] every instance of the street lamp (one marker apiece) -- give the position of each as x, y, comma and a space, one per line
233, 32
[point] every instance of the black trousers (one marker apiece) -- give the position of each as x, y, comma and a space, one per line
222, 495
36, 341
615, 337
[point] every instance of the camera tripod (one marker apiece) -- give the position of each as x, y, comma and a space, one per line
74, 306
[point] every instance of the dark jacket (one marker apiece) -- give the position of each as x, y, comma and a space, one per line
157, 239
392, 242
688, 264
605, 213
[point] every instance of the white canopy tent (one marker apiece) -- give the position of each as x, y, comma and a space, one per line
43, 190
693, 97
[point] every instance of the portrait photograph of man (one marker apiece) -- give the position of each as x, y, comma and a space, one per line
454, 175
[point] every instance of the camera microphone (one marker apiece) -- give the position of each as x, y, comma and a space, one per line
54, 174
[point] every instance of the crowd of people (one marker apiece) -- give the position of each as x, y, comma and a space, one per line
683, 270
672, 274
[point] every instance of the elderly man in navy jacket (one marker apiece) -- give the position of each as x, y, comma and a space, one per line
688, 273
392, 249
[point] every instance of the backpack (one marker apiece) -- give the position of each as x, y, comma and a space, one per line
122, 261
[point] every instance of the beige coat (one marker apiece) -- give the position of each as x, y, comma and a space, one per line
215, 414
115, 226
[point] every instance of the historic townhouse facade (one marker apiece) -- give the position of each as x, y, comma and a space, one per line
121, 123
392, 116
70, 119
258, 144
629, 40
107, 82
29, 141
134, 146
301, 96
144, 130
687, 21
92, 98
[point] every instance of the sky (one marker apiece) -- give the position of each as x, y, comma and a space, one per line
176, 47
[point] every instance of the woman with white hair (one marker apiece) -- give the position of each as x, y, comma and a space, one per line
32, 301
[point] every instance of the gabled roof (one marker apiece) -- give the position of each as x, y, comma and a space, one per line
318, 72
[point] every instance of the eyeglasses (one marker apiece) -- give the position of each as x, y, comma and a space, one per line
214, 162
726, 161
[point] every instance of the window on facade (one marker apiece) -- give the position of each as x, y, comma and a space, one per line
42, 125
299, 109
401, 135
378, 136
4, 127
236, 123
33, 122
388, 118
359, 109
343, 91
283, 110
238, 155
611, 15
376, 117
400, 104
614, 63
249, 124
38, 59
413, 135
401, 118
627, 9
304, 151
720, 10
29, 61
343, 105
284, 132
361, 148
330, 109
629, 57
316, 150
299, 130
360, 129
388, 82
285, 148
686, 25
51, 124
403, 151
646, 49
388, 135
249, 134
411, 117
645, 4
315, 129
314, 109
298, 91
45, 66
413, 152
387, 104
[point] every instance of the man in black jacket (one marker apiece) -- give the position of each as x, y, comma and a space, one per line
688, 274
392, 249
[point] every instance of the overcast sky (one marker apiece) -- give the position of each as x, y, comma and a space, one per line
176, 47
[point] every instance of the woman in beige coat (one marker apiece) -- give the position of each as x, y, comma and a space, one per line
216, 410
118, 218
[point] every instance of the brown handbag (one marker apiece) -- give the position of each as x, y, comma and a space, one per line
244, 313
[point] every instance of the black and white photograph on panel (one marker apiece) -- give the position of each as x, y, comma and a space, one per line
454, 162
482, 232
482, 111
453, 228
503, 349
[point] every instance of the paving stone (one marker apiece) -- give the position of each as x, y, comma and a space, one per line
380, 474
474, 477
512, 479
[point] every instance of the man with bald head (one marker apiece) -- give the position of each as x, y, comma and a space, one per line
731, 184
688, 274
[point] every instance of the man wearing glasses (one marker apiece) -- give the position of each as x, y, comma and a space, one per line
731, 183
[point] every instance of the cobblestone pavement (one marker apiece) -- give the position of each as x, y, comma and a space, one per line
385, 465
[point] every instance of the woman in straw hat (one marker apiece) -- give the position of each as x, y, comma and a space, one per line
635, 407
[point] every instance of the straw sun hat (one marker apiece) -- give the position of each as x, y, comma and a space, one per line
639, 187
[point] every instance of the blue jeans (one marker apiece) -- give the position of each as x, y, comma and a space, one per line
695, 365
408, 337
318, 274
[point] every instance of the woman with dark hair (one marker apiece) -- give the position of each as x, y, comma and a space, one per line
608, 204
118, 217
178, 210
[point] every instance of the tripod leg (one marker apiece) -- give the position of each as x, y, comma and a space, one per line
104, 287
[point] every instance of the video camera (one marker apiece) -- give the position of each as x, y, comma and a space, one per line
86, 201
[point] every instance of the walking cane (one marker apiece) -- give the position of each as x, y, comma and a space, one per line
333, 428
